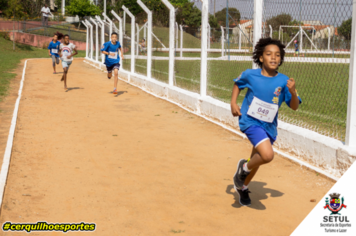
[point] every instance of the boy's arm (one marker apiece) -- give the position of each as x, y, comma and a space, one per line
235, 109
60, 52
49, 52
107, 53
75, 51
294, 103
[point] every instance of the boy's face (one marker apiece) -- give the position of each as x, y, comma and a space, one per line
66, 39
55, 37
114, 38
271, 57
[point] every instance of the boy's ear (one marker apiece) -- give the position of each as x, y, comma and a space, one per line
261, 59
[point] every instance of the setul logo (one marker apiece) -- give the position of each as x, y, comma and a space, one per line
335, 205
335, 222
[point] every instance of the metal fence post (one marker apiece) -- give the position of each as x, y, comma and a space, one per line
172, 19
110, 22
181, 40
91, 38
350, 138
96, 39
132, 38
149, 38
257, 24
222, 41
240, 31
137, 38
102, 36
121, 36
204, 47
124, 22
87, 39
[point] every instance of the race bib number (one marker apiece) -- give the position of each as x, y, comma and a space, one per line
113, 57
263, 111
54, 50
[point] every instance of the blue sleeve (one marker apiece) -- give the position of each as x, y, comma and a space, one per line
119, 44
288, 96
105, 47
49, 45
242, 80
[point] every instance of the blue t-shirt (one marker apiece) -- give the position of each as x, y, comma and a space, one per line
54, 46
111, 48
272, 90
296, 47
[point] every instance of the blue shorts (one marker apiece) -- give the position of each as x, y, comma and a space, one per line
113, 67
256, 135
66, 64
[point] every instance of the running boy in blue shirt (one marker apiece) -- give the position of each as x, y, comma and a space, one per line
112, 61
53, 49
267, 90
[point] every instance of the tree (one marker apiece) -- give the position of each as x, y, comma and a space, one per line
281, 19
189, 15
32, 7
14, 9
82, 8
213, 22
3, 4
160, 11
233, 12
345, 28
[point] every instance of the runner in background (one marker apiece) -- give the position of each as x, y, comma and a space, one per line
112, 60
53, 49
66, 51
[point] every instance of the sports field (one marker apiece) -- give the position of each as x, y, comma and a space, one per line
136, 165
323, 88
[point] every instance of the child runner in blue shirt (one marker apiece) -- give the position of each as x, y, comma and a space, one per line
53, 49
112, 61
267, 90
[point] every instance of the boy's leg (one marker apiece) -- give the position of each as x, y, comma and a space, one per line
263, 155
253, 171
116, 68
65, 73
109, 70
116, 77
243, 193
54, 63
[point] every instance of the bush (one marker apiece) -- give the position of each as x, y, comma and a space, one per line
5, 35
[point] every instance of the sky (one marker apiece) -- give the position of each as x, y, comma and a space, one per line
329, 12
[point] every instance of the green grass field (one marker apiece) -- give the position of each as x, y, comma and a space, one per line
322, 87
10, 59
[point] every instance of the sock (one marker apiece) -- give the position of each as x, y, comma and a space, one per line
244, 187
245, 168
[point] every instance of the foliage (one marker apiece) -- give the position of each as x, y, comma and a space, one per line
221, 16
3, 4
281, 19
82, 8
345, 29
189, 15
14, 9
213, 22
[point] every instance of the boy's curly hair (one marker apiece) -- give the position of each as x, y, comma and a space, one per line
260, 48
